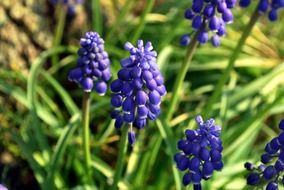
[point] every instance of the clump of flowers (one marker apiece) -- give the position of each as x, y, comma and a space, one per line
270, 171
201, 152
93, 65
209, 17
71, 4
138, 90
266, 6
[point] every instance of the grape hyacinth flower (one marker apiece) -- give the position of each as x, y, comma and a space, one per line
272, 164
266, 6
201, 152
209, 18
93, 65
71, 4
138, 90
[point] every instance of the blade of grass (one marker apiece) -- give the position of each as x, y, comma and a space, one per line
59, 151
223, 79
133, 161
19, 95
69, 103
254, 86
35, 69
142, 22
102, 167
123, 13
31, 96
53, 107
168, 138
123, 144
96, 16
253, 123
62, 143
28, 154
61, 13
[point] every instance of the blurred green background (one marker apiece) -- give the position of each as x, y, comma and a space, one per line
40, 108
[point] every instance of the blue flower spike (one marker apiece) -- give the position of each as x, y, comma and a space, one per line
209, 17
200, 153
138, 90
93, 65
269, 7
272, 164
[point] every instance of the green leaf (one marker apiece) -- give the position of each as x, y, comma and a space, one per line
60, 149
69, 103
168, 138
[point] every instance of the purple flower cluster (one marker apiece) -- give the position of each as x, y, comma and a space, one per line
138, 90
209, 15
201, 152
93, 64
69, 3
264, 6
272, 166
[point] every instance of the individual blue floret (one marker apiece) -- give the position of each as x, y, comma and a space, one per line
209, 18
201, 152
93, 65
271, 168
184, 40
138, 90
270, 7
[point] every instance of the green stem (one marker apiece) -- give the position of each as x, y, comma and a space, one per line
121, 157
86, 134
181, 75
218, 89
139, 30
133, 161
96, 16
61, 17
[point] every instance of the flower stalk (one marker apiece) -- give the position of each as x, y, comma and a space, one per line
181, 76
86, 134
121, 158
223, 79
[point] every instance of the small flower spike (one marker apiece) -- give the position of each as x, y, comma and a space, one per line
93, 65
272, 164
201, 153
211, 17
138, 90
269, 7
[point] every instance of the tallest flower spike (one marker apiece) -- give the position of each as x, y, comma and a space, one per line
138, 89
209, 15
